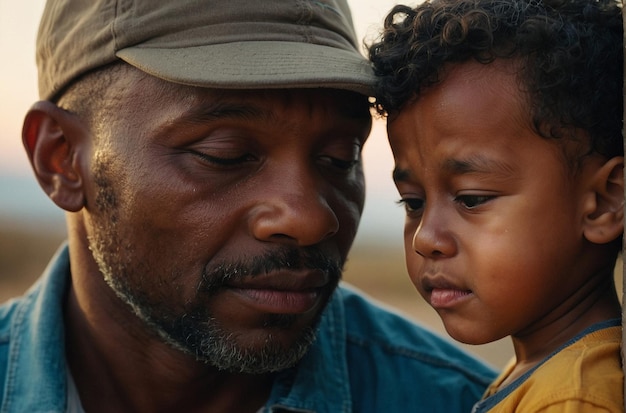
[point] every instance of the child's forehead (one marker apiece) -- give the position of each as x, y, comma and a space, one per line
500, 75
468, 96
475, 109
488, 93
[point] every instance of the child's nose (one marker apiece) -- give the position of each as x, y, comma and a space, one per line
432, 239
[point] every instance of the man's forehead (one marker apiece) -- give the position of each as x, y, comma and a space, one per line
139, 86
139, 103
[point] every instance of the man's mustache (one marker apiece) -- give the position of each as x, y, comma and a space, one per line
291, 259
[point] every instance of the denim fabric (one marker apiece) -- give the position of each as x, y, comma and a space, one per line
32, 342
365, 359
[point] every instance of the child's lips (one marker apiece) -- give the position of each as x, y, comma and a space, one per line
447, 298
443, 293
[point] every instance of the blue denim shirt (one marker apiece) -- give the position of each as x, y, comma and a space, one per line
365, 359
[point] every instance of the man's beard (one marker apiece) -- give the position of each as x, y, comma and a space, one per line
195, 331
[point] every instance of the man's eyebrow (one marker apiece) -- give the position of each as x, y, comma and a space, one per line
220, 111
224, 110
400, 175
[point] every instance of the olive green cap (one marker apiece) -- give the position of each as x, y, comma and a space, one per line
230, 44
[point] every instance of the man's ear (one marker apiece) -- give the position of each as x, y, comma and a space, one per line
604, 220
54, 140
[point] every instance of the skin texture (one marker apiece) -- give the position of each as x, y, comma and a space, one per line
207, 230
502, 236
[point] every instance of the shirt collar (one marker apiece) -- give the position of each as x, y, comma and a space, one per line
36, 367
320, 381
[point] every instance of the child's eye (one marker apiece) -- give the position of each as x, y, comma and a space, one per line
412, 205
472, 201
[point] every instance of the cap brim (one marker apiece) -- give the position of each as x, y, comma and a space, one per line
256, 65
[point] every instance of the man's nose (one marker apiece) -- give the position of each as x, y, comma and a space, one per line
294, 209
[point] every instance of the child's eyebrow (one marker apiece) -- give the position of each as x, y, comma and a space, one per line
477, 164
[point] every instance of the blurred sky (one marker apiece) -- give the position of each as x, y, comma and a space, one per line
18, 90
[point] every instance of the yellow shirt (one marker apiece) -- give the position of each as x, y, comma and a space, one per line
584, 376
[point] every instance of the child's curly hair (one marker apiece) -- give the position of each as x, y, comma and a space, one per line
570, 55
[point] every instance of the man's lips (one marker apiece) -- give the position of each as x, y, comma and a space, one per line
279, 301
281, 292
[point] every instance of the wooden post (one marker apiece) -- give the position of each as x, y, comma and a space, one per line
623, 248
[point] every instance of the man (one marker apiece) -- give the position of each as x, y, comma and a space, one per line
208, 157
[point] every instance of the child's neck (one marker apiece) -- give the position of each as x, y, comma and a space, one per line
561, 325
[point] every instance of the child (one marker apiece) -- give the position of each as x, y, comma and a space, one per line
505, 119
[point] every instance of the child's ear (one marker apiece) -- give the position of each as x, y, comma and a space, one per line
604, 220
54, 140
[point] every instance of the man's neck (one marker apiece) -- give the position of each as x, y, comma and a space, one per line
118, 366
